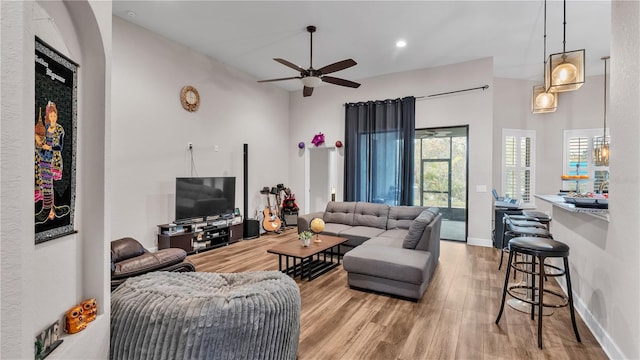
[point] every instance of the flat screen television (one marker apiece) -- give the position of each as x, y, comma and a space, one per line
202, 197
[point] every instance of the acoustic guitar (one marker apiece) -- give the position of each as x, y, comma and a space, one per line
271, 222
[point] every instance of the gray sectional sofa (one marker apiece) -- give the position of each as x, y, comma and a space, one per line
390, 249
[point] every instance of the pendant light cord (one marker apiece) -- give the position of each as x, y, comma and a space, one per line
544, 56
564, 28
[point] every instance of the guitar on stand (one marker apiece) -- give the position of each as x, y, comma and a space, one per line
277, 190
271, 221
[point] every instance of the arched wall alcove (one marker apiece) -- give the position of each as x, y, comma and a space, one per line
51, 277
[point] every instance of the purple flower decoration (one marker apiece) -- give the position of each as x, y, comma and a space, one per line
318, 139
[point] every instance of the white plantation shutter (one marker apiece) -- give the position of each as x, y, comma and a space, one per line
518, 164
525, 166
509, 184
578, 150
579, 159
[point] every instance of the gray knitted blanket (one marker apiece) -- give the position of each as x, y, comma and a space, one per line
166, 315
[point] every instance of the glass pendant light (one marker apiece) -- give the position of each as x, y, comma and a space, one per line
564, 71
543, 101
602, 153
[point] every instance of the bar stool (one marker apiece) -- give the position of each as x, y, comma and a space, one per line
539, 216
539, 248
521, 217
515, 228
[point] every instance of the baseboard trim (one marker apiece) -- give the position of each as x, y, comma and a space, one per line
602, 336
479, 242
607, 343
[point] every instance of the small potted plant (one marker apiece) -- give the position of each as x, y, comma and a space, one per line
305, 237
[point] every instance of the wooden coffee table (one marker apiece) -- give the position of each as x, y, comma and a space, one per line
304, 264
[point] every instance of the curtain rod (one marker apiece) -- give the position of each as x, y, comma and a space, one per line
484, 87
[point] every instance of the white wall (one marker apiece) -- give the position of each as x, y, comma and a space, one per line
17, 223
324, 112
151, 130
612, 285
40, 282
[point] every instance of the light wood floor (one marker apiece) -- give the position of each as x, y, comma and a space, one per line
453, 320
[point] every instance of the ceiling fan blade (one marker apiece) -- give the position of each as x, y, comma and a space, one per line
287, 78
341, 82
307, 91
289, 64
340, 65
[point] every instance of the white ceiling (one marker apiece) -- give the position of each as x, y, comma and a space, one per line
248, 35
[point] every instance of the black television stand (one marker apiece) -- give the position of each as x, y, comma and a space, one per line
194, 237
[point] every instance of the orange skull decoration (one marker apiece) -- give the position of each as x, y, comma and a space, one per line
75, 320
90, 309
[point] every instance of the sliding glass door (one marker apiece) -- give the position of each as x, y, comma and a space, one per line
441, 174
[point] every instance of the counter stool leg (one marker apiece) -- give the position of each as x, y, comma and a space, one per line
504, 289
540, 302
503, 247
570, 294
532, 284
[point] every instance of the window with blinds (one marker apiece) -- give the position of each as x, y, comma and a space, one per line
580, 158
578, 148
518, 170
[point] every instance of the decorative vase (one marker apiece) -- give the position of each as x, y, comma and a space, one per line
305, 238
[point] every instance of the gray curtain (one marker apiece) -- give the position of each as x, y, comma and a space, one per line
379, 146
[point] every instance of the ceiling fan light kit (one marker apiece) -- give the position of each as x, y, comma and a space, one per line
565, 70
311, 81
313, 77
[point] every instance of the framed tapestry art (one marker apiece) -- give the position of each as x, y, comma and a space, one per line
55, 143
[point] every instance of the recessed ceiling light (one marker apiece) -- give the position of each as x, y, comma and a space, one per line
401, 43
131, 13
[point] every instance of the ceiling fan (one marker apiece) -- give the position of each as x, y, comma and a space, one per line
313, 77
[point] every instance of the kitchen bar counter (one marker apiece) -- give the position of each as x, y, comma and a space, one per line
558, 201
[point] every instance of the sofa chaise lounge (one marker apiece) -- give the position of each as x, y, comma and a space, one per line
390, 249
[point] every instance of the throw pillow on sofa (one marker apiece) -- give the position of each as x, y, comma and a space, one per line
417, 228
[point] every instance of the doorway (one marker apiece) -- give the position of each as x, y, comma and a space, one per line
441, 176
320, 177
